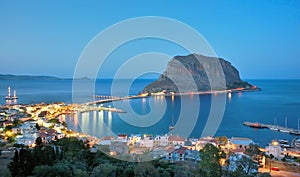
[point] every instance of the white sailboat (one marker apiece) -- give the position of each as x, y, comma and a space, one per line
275, 128
297, 132
285, 130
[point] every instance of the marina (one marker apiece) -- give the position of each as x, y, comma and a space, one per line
274, 127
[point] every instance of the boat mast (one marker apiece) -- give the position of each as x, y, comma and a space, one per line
298, 124
275, 122
285, 122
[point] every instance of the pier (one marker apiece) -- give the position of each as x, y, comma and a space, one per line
99, 108
112, 98
272, 127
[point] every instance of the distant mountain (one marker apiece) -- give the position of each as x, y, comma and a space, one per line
26, 77
196, 72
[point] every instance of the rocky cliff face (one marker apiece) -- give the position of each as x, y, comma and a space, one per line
197, 73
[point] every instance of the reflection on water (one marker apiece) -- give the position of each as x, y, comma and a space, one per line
109, 120
100, 122
251, 106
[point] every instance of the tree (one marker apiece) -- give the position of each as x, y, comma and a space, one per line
59, 169
209, 164
13, 166
253, 149
145, 169
242, 165
80, 173
64, 124
38, 141
44, 171
238, 172
183, 171
37, 126
17, 122
105, 170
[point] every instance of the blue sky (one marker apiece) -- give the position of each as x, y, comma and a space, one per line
260, 38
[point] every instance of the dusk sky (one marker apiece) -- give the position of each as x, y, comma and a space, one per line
260, 38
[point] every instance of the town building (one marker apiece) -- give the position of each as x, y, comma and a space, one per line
161, 140
238, 143
274, 149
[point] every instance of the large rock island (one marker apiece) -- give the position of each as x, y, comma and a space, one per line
198, 73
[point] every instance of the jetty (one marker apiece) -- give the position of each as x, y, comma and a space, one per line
112, 98
99, 108
273, 127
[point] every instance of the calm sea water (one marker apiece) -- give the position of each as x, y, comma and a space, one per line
277, 100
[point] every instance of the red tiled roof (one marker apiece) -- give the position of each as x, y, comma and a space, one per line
42, 135
176, 138
181, 150
51, 132
108, 138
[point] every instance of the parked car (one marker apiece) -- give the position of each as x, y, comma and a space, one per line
275, 168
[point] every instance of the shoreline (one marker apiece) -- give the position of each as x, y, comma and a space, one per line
211, 92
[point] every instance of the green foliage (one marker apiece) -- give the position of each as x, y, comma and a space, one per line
104, 170
54, 121
8, 128
11, 139
238, 172
69, 157
264, 175
64, 124
253, 150
59, 169
209, 164
37, 126
145, 169
80, 173
245, 167
38, 141
16, 122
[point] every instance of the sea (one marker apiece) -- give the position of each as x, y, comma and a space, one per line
195, 115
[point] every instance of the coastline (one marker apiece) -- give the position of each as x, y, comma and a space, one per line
212, 92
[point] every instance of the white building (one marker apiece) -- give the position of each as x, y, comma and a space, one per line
107, 140
28, 128
27, 140
147, 142
161, 140
274, 149
201, 142
237, 143
176, 140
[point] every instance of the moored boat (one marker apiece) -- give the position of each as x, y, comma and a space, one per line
283, 141
295, 132
274, 129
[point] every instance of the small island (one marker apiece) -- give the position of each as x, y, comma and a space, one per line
205, 72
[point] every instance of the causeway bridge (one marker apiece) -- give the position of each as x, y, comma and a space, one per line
90, 106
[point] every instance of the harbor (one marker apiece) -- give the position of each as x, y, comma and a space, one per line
274, 127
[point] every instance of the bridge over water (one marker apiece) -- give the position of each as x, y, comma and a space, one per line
111, 99
90, 106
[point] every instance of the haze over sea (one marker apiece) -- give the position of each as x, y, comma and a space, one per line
277, 100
